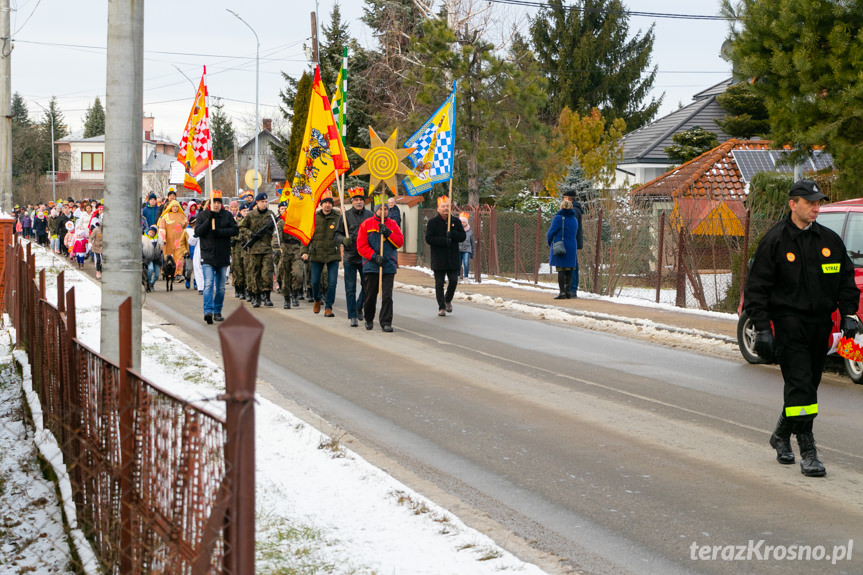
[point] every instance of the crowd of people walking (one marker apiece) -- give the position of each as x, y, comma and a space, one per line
199, 243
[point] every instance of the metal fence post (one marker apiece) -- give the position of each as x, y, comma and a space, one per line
598, 252
127, 439
744, 260
681, 271
660, 254
240, 337
536, 247
477, 232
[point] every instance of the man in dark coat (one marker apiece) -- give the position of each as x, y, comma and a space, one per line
379, 265
352, 260
323, 252
800, 274
151, 210
443, 234
215, 227
60, 227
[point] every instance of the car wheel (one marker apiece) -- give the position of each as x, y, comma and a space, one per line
854, 369
746, 339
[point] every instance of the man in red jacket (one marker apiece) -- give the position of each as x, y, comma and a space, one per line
374, 232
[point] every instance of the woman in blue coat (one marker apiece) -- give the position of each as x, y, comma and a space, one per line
564, 226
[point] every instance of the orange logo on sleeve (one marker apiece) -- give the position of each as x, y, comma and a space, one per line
825, 252
790, 256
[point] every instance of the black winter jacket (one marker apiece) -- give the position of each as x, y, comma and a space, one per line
801, 273
215, 244
444, 255
354, 219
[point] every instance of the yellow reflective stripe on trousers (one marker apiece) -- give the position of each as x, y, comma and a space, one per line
799, 410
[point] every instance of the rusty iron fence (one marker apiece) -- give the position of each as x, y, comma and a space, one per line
677, 258
159, 485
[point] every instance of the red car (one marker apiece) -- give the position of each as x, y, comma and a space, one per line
846, 219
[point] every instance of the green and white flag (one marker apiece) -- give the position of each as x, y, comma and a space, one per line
339, 102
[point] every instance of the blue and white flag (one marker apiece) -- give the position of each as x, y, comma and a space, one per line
435, 149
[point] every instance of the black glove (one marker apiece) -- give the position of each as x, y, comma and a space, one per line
378, 259
448, 241
347, 241
385, 231
849, 326
764, 344
450, 234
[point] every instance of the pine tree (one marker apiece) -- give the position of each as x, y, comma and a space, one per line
747, 115
20, 114
496, 98
336, 37
94, 120
591, 62
297, 100
61, 130
222, 132
576, 181
690, 144
804, 57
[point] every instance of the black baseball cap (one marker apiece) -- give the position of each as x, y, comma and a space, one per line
808, 190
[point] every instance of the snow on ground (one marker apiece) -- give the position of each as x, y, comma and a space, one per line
320, 507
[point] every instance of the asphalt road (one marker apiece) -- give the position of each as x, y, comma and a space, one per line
586, 452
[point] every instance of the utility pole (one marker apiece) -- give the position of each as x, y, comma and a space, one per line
236, 169
124, 118
315, 38
6, 108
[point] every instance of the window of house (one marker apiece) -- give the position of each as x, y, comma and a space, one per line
91, 161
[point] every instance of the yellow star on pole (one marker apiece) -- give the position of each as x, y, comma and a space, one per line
383, 161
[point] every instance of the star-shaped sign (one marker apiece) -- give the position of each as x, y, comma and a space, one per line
383, 161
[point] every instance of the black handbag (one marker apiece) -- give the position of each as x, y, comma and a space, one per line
558, 248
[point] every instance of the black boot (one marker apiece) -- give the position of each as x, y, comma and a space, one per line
809, 464
561, 285
267, 302
781, 441
239, 292
250, 296
256, 300
567, 283
287, 304
295, 301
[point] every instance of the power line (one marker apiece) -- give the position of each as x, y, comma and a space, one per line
663, 15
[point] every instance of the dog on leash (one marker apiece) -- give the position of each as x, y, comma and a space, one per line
169, 269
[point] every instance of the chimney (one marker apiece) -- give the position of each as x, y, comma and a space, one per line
268, 124
148, 128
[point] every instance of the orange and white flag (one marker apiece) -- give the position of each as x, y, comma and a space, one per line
196, 147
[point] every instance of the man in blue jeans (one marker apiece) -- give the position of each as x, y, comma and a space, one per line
215, 227
352, 260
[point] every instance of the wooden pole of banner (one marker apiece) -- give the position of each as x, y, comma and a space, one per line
381, 267
449, 208
341, 186
209, 179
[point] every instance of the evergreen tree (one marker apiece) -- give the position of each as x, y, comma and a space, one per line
20, 114
576, 181
336, 37
494, 96
591, 62
61, 130
690, 144
94, 120
25, 141
747, 115
222, 132
805, 59
295, 99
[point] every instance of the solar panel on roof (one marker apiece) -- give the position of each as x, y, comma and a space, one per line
751, 162
821, 161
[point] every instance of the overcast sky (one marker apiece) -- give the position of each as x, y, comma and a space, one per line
60, 51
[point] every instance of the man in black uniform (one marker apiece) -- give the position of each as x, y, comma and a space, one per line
800, 275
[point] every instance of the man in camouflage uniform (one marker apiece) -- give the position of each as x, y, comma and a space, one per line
290, 265
238, 263
259, 254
